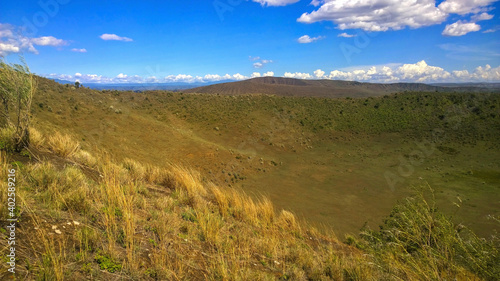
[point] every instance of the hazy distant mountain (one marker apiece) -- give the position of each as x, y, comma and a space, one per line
140, 86
475, 85
322, 88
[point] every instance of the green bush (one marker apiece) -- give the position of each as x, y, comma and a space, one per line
106, 263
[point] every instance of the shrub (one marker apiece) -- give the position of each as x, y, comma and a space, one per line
17, 86
418, 242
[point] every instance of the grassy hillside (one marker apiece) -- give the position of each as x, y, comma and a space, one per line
82, 216
321, 158
291, 87
152, 186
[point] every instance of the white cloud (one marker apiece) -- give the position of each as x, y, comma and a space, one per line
48, 41
115, 37
421, 72
275, 2
463, 7
261, 63
376, 15
212, 77
460, 28
486, 73
480, 17
298, 75
79, 50
306, 39
238, 76
316, 3
258, 64
418, 72
8, 48
253, 58
391, 73
180, 78
491, 30
319, 73
346, 35
12, 41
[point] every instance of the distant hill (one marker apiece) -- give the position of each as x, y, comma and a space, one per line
469, 85
139, 86
323, 88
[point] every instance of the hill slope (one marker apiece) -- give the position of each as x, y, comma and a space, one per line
318, 88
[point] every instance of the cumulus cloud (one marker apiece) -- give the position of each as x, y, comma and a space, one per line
215, 77
114, 37
383, 15
419, 72
79, 50
319, 73
376, 15
124, 78
346, 35
238, 76
460, 28
6, 48
12, 41
48, 41
463, 7
275, 2
392, 73
306, 39
298, 75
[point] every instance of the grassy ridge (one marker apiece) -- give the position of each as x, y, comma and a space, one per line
84, 216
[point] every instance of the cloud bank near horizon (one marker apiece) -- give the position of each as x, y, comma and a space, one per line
419, 72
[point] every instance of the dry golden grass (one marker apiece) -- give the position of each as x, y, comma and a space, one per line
37, 139
63, 145
183, 229
84, 157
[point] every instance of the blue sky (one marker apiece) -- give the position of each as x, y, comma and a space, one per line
200, 41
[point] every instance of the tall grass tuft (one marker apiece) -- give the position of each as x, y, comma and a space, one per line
418, 242
63, 145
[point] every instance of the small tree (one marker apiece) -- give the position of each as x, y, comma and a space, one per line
77, 84
17, 86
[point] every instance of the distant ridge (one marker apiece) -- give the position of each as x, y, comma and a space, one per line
322, 88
